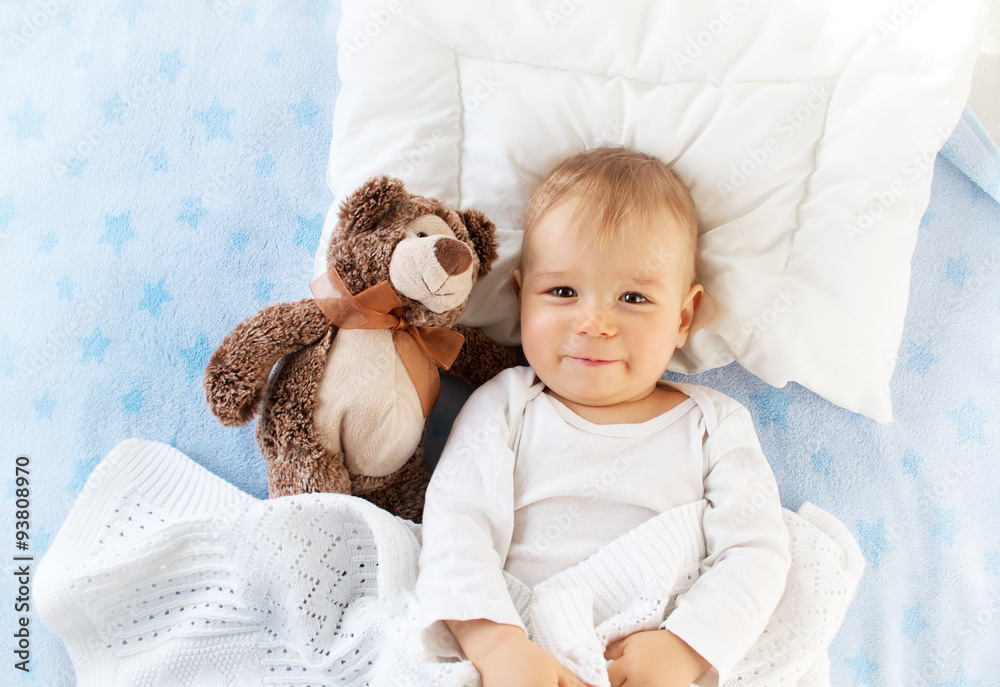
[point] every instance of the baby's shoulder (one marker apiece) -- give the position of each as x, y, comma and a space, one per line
512, 381
511, 388
715, 406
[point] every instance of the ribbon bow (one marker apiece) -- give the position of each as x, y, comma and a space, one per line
422, 349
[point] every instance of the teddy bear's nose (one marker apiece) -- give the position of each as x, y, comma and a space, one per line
453, 255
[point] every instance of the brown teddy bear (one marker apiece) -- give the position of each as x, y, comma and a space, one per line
345, 410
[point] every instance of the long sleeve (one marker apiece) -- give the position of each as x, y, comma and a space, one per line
469, 517
743, 575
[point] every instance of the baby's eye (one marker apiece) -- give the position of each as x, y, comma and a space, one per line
634, 298
562, 292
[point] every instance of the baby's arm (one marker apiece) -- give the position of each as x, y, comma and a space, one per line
744, 572
465, 606
468, 521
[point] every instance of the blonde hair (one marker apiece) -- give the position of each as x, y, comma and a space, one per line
627, 193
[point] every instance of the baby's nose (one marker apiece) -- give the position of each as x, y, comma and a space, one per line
595, 320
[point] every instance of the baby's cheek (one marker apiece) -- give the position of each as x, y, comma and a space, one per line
537, 340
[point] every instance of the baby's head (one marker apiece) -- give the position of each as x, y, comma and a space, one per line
620, 196
607, 276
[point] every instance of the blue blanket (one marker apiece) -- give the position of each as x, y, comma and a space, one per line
163, 178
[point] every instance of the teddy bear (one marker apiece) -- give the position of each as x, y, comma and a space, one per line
357, 364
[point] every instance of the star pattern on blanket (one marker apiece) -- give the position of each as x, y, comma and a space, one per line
911, 463
946, 524
872, 540
114, 109
191, 211
919, 357
265, 166
239, 240
94, 346
44, 407
969, 421
130, 9
216, 120
914, 622
309, 230
7, 211
171, 64
133, 402
82, 470
160, 160
66, 287
863, 669
927, 220
305, 111
262, 289
154, 297
28, 122
9, 352
75, 166
958, 271
821, 461
117, 230
960, 679
992, 561
197, 356
317, 9
47, 242
772, 406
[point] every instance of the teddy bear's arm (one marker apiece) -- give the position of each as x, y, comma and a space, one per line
239, 368
481, 358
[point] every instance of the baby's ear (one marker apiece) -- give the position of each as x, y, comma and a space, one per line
688, 310
515, 281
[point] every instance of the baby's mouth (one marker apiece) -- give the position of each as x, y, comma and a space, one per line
591, 361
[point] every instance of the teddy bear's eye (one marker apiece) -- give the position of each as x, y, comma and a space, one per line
421, 234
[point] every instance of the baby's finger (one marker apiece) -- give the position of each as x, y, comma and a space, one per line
568, 679
615, 649
617, 674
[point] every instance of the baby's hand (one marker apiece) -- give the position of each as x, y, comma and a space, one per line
523, 663
654, 658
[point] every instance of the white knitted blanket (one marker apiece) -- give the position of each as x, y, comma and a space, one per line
164, 574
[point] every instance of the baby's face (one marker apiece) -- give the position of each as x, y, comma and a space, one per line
598, 328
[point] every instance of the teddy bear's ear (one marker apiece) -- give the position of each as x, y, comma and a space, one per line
364, 209
483, 235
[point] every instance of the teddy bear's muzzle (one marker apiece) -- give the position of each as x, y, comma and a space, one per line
435, 271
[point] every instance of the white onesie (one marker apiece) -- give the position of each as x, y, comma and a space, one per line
526, 485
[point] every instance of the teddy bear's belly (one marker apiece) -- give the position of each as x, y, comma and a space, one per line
367, 405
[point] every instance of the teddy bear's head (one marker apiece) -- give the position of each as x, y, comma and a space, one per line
429, 252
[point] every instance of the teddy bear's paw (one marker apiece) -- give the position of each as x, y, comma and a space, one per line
233, 399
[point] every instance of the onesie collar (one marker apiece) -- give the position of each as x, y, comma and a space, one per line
628, 429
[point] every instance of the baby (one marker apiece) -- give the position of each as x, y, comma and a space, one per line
548, 464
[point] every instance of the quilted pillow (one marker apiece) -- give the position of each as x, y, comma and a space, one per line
806, 131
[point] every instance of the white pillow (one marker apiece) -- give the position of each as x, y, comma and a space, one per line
807, 132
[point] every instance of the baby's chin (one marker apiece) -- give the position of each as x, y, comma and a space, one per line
588, 398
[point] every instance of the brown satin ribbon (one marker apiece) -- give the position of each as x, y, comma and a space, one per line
422, 349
